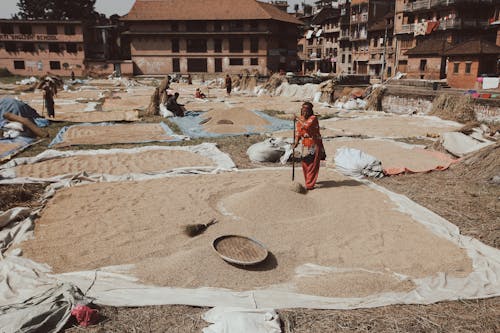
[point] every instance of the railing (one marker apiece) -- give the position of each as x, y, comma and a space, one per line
450, 24
427, 4
406, 29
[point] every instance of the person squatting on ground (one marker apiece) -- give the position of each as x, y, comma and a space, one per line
312, 144
176, 108
199, 94
49, 91
229, 84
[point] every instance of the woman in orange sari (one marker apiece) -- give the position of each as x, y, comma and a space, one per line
312, 144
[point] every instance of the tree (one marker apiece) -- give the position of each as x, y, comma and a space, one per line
57, 9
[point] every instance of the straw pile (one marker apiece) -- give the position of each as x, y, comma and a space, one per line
374, 100
452, 107
274, 82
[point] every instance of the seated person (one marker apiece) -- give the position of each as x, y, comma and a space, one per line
199, 94
176, 108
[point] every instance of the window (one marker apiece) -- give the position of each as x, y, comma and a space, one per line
25, 29
54, 48
218, 26
218, 65
55, 65
174, 26
10, 47
196, 26
69, 29
176, 65
217, 45
197, 65
236, 45
175, 45
28, 47
254, 61
236, 61
343, 58
254, 45
51, 29
254, 25
19, 64
423, 65
71, 48
350, 58
310, 41
468, 67
235, 26
7, 29
197, 45
456, 67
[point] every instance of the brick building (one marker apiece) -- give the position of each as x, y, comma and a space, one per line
427, 61
212, 36
453, 21
29, 47
469, 60
382, 52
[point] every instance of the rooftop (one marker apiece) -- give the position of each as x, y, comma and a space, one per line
430, 47
202, 10
474, 47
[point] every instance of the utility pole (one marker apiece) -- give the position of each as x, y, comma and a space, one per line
383, 55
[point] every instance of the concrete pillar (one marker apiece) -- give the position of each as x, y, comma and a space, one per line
183, 64
210, 65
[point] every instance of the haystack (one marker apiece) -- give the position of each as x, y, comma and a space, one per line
374, 100
327, 89
452, 107
274, 82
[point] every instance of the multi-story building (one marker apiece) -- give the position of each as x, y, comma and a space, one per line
33, 47
362, 13
213, 36
344, 65
432, 21
381, 47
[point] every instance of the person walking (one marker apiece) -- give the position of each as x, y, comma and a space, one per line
48, 98
313, 150
229, 84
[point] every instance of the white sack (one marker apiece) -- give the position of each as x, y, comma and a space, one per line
460, 144
11, 134
14, 125
269, 150
350, 105
230, 320
355, 163
164, 112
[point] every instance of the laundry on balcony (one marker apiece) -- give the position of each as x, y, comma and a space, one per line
420, 29
309, 34
431, 27
319, 32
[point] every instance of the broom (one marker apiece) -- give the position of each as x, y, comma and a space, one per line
193, 230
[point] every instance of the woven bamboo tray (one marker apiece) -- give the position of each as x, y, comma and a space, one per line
240, 250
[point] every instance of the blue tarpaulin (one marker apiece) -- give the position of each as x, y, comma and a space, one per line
190, 125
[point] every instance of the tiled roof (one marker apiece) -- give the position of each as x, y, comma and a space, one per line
167, 10
474, 47
430, 47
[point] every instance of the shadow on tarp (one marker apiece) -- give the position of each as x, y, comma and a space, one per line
192, 126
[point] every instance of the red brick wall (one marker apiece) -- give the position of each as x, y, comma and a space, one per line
431, 72
462, 80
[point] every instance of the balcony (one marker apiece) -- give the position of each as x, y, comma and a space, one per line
450, 24
406, 29
360, 18
428, 4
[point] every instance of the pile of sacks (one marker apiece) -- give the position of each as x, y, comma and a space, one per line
270, 150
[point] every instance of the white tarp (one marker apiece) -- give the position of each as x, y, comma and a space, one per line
460, 144
31, 300
222, 163
230, 320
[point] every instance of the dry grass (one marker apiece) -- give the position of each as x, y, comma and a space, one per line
25, 195
453, 107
